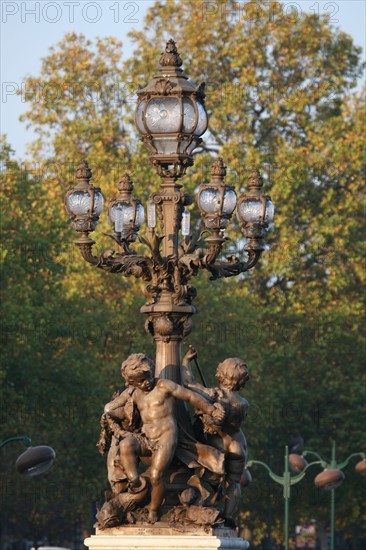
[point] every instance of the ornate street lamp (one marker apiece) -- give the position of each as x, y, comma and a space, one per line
286, 480
171, 118
330, 478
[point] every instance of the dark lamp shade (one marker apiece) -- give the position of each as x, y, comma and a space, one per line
35, 460
246, 478
361, 467
297, 463
329, 479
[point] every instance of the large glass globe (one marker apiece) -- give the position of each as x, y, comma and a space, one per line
79, 203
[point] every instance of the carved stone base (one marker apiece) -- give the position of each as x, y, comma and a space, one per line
162, 537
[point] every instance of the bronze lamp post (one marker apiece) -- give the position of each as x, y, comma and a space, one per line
171, 118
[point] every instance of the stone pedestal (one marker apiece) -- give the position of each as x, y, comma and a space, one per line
163, 537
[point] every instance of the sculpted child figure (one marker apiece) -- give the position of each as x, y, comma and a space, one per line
228, 437
154, 398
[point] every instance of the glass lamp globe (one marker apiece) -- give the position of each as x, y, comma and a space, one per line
329, 479
126, 214
216, 200
170, 114
84, 202
217, 206
255, 210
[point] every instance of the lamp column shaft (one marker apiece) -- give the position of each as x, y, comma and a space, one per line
168, 359
171, 205
168, 323
270, 446
286, 494
332, 518
168, 318
332, 500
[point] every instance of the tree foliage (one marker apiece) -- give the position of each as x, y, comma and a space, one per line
279, 96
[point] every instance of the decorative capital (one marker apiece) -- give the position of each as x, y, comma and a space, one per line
255, 180
83, 171
125, 184
171, 57
218, 168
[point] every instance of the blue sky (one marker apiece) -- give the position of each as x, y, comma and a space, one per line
29, 28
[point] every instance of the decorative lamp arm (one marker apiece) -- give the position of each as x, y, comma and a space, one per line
85, 245
306, 453
275, 477
27, 442
345, 462
127, 262
233, 266
321, 462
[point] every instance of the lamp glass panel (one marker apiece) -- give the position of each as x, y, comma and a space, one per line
186, 221
151, 214
251, 211
184, 148
122, 210
229, 202
79, 203
270, 211
210, 201
140, 215
166, 145
125, 212
139, 121
189, 116
98, 203
202, 120
163, 116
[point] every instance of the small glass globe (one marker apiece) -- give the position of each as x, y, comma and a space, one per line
210, 201
121, 217
218, 208
251, 209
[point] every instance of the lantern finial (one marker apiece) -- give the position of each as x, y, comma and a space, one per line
255, 180
83, 172
171, 57
125, 185
218, 168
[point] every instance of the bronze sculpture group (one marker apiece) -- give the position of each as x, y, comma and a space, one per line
150, 439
